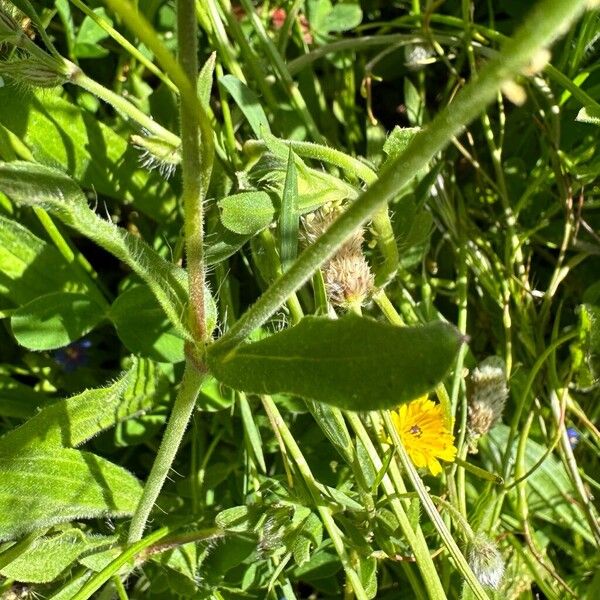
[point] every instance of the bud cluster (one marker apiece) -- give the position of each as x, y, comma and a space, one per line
347, 275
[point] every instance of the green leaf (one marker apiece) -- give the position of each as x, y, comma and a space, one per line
55, 320
72, 421
18, 400
31, 184
247, 213
49, 556
60, 134
249, 104
214, 396
42, 488
290, 215
30, 267
89, 35
252, 432
343, 17
143, 326
398, 141
205, 80
354, 363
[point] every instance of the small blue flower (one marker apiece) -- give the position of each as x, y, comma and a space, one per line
574, 436
74, 355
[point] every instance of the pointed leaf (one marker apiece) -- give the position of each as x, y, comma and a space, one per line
354, 362
248, 102
72, 421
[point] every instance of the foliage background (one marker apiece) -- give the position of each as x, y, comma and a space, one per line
499, 235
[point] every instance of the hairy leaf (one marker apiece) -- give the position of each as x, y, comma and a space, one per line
70, 422
355, 363
247, 213
41, 488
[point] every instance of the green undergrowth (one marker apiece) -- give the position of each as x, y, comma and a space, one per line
235, 237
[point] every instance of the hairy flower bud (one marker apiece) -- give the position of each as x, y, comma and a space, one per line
486, 562
158, 154
487, 392
47, 73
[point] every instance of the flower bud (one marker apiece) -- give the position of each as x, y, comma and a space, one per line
157, 154
486, 562
48, 73
487, 391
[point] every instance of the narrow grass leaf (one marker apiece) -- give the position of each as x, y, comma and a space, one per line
289, 216
248, 103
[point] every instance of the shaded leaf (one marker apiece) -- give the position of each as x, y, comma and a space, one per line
354, 363
143, 326
55, 320
62, 135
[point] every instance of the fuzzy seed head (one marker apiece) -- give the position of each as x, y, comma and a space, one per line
348, 279
347, 275
486, 562
487, 395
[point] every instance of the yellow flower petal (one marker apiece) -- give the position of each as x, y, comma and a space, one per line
421, 427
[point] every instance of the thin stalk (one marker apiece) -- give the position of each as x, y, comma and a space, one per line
79, 78
125, 43
99, 579
178, 421
324, 511
545, 23
431, 510
394, 488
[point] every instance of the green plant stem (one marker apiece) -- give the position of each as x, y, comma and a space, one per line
125, 43
432, 512
324, 511
282, 71
178, 421
194, 165
79, 78
99, 579
394, 488
547, 20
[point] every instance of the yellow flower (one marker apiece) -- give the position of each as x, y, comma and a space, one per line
421, 427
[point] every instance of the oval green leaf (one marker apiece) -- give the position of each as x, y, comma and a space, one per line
247, 213
354, 363
55, 320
